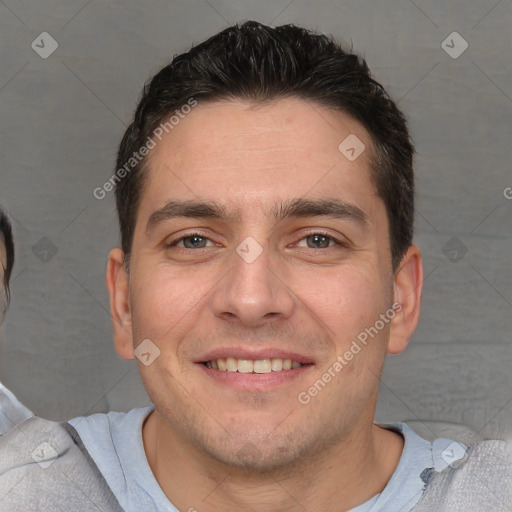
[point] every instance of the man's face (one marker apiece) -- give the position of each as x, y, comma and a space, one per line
254, 284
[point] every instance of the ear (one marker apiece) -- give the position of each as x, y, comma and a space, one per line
118, 289
408, 284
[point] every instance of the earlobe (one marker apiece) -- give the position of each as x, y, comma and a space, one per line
118, 289
408, 285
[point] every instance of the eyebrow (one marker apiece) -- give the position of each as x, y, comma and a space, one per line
294, 208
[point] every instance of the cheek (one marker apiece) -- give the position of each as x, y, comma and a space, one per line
347, 300
165, 300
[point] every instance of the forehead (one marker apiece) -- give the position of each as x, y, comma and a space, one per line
248, 155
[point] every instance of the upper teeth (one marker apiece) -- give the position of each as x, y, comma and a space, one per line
231, 364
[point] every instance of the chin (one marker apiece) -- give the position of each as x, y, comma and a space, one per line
255, 457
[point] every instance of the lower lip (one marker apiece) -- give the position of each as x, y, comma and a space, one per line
255, 381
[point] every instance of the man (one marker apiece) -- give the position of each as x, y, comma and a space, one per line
265, 199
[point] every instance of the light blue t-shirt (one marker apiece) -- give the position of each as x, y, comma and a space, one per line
114, 441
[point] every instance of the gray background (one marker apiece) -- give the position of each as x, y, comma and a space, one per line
63, 117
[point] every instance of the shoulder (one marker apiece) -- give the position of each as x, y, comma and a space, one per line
480, 481
105, 435
43, 466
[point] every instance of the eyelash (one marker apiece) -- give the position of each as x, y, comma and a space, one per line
199, 234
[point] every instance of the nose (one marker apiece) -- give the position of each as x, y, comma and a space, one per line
253, 291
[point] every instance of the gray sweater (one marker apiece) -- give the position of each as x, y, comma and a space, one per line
45, 467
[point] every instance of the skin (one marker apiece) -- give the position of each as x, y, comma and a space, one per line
213, 447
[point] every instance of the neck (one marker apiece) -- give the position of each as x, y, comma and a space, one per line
338, 479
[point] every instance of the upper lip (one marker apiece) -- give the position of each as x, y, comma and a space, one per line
252, 354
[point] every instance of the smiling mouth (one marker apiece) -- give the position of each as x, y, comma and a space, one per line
231, 364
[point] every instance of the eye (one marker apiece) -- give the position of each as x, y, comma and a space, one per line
191, 241
319, 241
313, 241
